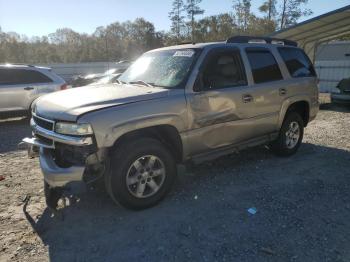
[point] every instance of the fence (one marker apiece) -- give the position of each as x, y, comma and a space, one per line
67, 71
331, 72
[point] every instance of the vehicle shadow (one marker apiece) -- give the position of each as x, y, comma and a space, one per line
205, 217
12, 131
335, 107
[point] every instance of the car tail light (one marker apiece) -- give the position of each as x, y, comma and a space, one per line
64, 86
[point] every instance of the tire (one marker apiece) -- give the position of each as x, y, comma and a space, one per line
52, 195
285, 145
141, 173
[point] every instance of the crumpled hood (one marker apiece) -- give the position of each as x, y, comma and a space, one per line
69, 104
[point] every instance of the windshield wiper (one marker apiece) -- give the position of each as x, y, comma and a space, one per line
119, 82
141, 82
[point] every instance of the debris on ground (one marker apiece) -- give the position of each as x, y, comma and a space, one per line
267, 250
252, 210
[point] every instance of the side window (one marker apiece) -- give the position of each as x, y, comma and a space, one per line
298, 64
223, 69
264, 65
13, 76
31, 77
7, 77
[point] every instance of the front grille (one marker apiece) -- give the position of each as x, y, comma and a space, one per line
43, 123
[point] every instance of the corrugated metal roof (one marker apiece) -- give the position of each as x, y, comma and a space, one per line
310, 33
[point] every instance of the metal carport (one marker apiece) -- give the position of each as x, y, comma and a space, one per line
313, 32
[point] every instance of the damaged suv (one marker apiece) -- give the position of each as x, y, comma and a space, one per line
182, 104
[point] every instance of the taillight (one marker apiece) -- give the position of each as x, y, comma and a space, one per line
64, 86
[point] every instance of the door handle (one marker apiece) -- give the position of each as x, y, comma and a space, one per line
28, 88
283, 91
247, 98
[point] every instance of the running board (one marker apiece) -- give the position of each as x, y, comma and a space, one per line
226, 150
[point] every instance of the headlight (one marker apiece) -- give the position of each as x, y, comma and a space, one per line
73, 129
336, 90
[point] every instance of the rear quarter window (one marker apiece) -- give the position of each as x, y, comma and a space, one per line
13, 76
297, 62
264, 66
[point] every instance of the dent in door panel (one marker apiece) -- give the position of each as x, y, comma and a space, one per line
211, 110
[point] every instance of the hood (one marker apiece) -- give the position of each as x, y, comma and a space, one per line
67, 105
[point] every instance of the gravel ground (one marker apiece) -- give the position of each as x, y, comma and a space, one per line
302, 202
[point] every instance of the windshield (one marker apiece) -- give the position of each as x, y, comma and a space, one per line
167, 68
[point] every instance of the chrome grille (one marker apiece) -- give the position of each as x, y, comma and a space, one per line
44, 123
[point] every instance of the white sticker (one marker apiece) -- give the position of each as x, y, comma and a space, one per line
185, 53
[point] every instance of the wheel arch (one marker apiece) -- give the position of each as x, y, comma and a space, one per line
168, 135
301, 106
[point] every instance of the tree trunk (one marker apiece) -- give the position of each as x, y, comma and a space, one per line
283, 15
270, 10
192, 27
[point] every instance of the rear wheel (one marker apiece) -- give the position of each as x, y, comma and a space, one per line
141, 173
290, 136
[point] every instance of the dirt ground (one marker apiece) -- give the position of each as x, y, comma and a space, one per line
302, 203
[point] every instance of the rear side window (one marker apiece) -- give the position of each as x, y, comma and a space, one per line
298, 64
264, 65
13, 76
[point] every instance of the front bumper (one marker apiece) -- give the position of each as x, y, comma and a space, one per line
340, 98
49, 143
57, 176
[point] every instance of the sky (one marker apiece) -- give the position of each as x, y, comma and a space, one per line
41, 17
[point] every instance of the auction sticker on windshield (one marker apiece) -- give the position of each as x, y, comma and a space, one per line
186, 53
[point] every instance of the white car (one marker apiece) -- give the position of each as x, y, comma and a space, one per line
20, 85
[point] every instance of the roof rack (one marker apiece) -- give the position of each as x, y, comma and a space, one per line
186, 43
260, 40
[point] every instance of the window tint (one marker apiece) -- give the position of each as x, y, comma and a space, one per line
298, 64
13, 76
264, 66
224, 69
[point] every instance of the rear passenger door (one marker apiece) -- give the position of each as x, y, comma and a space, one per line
266, 90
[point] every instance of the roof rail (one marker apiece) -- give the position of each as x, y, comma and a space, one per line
186, 43
19, 64
260, 39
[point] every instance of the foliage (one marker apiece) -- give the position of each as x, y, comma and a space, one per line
127, 40
291, 12
177, 19
192, 8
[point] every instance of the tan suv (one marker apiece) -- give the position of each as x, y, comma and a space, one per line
180, 104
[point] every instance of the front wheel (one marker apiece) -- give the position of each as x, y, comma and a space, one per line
290, 136
141, 173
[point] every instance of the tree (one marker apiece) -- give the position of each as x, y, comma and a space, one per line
242, 13
192, 8
177, 18
269, 8
291, 12
269, 22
